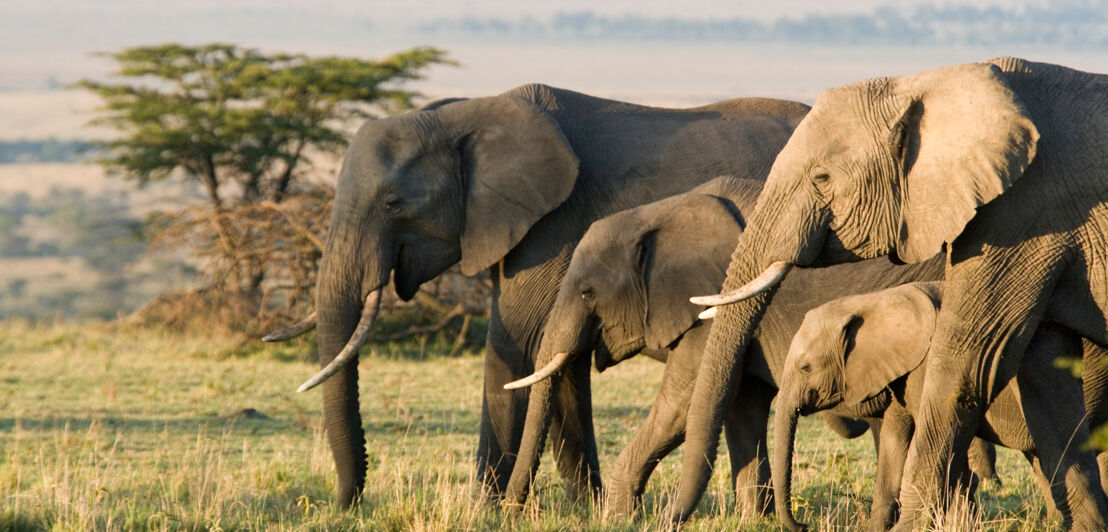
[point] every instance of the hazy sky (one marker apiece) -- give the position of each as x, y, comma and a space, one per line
45, 43
422, 9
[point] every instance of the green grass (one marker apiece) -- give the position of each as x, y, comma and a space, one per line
110, 428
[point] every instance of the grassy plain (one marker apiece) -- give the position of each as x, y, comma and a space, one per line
105, 427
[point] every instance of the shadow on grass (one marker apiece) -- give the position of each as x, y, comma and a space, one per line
15, 522
260, 427
423, 346
430, 422
619, 412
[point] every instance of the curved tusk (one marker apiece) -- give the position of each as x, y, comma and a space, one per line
708, 313
304, 326
348, 353
768, 279
554, 365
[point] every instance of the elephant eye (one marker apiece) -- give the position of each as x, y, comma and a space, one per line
822, 182
588, 295
805, 368
392, 205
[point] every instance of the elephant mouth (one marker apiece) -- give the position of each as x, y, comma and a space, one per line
625, 350
419, 259
405, 282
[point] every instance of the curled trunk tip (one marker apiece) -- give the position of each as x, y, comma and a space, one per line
768, 279
350, 352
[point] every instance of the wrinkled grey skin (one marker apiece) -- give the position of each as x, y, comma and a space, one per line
509, 183
1004, 166
626, 292
864, 355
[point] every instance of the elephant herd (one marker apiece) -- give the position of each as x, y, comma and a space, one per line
911, 254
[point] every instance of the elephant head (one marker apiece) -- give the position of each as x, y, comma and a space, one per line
846, 352
887, 166
460, 180
627, 290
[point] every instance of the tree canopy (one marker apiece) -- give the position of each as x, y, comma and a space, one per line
226, 114
247, 126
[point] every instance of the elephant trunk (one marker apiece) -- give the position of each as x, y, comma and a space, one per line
342, 314
342, 418
733, 327
350, 351
566, 335
715, 387
539, 416
784, 435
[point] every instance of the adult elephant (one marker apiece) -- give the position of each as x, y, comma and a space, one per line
506, 183
626, 292
1003, 165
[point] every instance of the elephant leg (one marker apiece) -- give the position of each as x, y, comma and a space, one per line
513, 334
875, 425
1072, 483
661, 433
982, 460
1094, 382
993, 302
1102, 462
895, 434
1054, 408
746, 425
572, 430
502, 412
1052, 511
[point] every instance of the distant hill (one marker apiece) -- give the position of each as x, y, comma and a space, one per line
1079, 24
44, 151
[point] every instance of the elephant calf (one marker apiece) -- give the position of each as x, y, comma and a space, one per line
626, 292
864, 356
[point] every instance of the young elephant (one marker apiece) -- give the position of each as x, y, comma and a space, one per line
625, 293
863, 356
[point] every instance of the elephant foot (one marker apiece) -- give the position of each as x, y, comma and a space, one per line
348, 496
579, 493
511, 508
754, 502
882, 519
621, 501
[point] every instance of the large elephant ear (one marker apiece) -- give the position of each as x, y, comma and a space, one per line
966, 139
686, 255
517, 166
887, 335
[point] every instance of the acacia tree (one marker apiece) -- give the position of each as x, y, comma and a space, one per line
246, 126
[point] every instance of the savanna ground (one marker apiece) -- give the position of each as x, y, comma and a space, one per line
109, 427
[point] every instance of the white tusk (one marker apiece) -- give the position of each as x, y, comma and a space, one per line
768, 279
304, 326
708, 313
554, 365
348, 353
